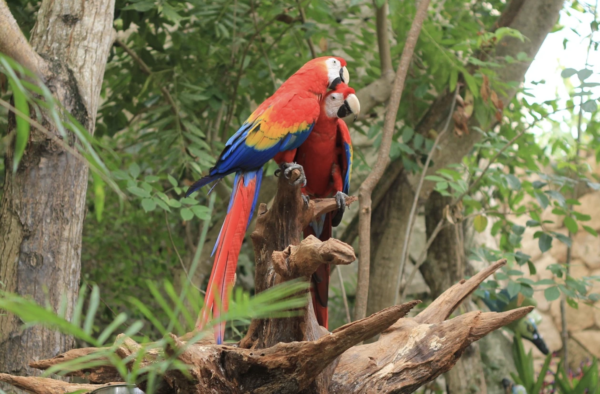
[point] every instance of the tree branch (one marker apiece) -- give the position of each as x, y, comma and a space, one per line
383, 159
413, 209
14, 44
311, 46
146, 70
383, 42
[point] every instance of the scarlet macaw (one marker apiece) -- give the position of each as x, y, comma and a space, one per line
326, 157
281, 123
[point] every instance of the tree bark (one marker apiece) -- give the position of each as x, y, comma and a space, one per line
43, 203
534, 19
444, 266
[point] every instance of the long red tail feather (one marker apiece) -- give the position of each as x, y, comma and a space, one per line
227, 250
320, 279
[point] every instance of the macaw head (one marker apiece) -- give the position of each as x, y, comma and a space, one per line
333, 67
341, 102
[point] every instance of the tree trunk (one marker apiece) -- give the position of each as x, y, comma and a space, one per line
391, 213
534, 19
445, 265
43, 204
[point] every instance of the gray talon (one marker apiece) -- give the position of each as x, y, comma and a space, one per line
340, 199
287, 171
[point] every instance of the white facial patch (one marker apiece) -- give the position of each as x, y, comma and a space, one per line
333, 69
333, 102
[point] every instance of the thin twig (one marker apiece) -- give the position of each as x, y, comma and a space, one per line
489, 164
146, 70
187, 275
236, 85
383, 159
413, 209
262, 49
344, 297
311, 46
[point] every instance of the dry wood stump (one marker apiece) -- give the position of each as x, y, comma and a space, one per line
295, 354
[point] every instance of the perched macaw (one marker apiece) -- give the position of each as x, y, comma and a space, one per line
326, 157
526, 326
281, 123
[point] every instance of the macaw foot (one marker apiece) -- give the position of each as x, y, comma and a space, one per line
306, 200
340, 199
287, 169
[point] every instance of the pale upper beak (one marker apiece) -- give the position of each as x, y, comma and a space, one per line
354, 105
344, 77
351, 106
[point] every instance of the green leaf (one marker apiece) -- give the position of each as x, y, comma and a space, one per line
545, 242
571, 224
407, 134
174, 203
584, 74
138, 191
99, 195
563, 238
572, 303
542, 199
590, 106
581, 217
23, 125
201, 212
519, 230
513, 182
162, 204
590, 230
453, 79
471, 83
134, 170
532, 269
552, 293
172, 180
186, 214
92, 308
513, 289
480, 223
148, 204
568, 72
532, 223
140, 6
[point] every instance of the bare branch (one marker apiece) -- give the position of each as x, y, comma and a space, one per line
413, 209
383, 42
304, 259
311, 46
383, 159
146, 70
14, 44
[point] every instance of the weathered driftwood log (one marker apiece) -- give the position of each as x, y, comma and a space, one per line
293, 355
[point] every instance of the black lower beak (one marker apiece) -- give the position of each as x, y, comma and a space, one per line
335, 83
344, 110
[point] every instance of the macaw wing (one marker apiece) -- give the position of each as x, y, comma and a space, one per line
283, 124
345, 143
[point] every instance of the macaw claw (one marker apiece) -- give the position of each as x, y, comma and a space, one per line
287, 169
340, 199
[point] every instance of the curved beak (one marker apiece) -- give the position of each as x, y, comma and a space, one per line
351, 106
344, 77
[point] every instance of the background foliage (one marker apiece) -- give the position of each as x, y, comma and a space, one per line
182, 77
